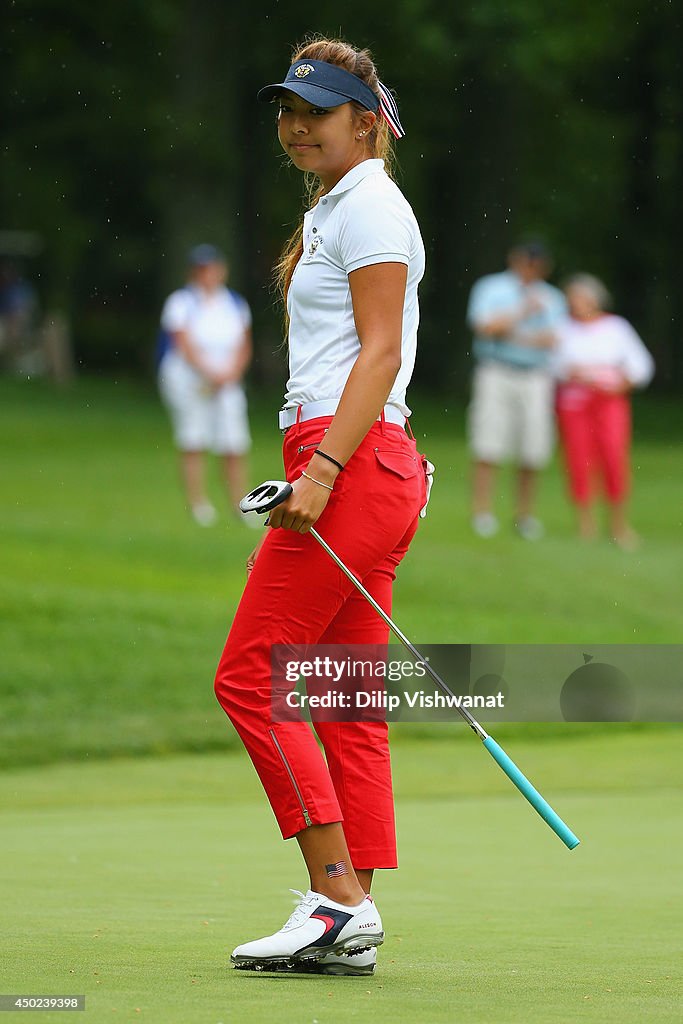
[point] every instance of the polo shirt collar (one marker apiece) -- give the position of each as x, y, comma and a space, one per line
355, 175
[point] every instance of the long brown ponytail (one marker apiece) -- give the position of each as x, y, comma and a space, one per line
378, 142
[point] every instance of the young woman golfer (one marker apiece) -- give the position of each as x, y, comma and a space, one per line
350, 276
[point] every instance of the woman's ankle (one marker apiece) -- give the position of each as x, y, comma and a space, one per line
349, 893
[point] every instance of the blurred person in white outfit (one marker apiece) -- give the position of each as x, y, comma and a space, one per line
200, 378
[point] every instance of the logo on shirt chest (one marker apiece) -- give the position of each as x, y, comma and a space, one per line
313, 247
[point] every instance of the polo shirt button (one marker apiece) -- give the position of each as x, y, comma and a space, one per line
324, 202
315, 231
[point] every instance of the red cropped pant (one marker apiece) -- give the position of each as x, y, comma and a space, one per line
297, 595
595, 429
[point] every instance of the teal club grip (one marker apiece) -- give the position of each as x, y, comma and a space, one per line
532, 795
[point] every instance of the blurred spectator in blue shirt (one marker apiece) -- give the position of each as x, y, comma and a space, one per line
18, 306
513, 316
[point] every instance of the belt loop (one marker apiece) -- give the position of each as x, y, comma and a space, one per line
409, 430
382, 422
297, 422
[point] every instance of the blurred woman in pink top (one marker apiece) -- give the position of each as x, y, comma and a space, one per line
598, 361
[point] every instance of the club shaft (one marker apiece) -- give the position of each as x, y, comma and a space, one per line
559, 827
471, 721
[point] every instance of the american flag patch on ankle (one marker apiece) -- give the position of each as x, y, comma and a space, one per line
335, 870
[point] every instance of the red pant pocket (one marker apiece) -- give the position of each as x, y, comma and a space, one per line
400, 463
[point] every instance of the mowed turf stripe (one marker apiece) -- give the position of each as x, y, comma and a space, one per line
131, 881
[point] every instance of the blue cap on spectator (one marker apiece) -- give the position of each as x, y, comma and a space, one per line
533, 249
200, 255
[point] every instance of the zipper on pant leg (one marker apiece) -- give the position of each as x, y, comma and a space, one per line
304, 810
305, 447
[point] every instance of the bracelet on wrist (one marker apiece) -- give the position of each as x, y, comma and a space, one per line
326, 486
329, 459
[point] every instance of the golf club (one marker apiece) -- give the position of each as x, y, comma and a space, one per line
271, 493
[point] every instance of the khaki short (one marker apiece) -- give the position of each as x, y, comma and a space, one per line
510, 416
203, 419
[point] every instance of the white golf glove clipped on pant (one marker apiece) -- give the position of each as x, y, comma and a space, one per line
429, 469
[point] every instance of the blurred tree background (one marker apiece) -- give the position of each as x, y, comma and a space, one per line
132, 131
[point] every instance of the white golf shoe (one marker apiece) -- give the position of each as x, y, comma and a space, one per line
357, 963
317, 929
360, 964
204, 513
530, 528
485, 524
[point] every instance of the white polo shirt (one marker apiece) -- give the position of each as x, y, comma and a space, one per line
363, 220
604, 344
216, 322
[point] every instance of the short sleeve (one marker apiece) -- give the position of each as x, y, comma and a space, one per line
374, 228
175, 316
559, 357
557, 307
636, 362
243, 310
482, 303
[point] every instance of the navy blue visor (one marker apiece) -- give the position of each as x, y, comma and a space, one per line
324, 85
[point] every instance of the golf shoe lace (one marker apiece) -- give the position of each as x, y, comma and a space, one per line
301, 911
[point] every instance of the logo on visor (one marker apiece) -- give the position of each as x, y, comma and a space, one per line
303, 70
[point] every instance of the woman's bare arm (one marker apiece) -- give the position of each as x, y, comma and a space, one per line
377, 293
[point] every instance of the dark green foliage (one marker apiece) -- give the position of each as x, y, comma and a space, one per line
133, 131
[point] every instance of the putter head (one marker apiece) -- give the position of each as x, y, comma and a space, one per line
266, 496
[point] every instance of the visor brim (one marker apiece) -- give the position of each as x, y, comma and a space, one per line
310, 93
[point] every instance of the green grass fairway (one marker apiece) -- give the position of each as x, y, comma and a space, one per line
114, 606
130, 881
